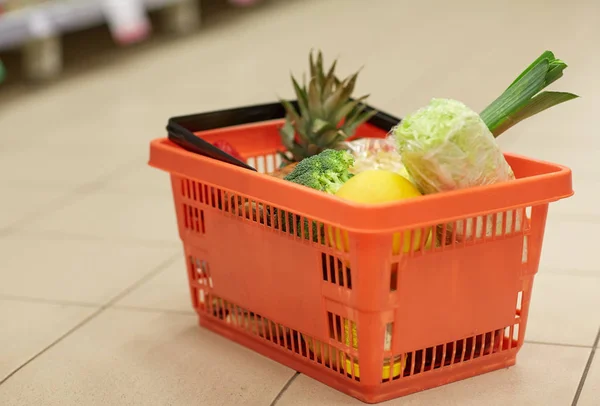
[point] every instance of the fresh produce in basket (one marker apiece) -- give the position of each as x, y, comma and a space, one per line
326, 354
380, 186
376, 153
326, 171
257, 325
398, 364
333, 356
522, 99
281, 173
447, 146
441, 147
326, 114
248, 321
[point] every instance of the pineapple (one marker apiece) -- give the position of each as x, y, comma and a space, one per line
326, 114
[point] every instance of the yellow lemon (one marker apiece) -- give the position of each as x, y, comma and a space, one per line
398, 364
379, 186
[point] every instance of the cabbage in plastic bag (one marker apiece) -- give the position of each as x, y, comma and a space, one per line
446, 146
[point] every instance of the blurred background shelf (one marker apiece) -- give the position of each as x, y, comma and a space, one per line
35, 28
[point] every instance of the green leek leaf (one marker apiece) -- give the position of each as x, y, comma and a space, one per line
519, 100
539, 103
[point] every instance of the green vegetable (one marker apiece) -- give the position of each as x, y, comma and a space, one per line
2, 72
326, 114
289, 222
447, 146
326, 171
522, 99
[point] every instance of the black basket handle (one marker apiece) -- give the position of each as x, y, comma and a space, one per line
193, 143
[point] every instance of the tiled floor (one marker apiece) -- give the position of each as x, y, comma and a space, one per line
94, 304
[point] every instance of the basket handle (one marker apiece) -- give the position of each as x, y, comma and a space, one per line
193, 143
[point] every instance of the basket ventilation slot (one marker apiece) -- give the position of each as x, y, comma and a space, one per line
335, 271
194, 219
320, 353
452, 353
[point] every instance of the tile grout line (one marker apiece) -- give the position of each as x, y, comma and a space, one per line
163, 265
155, 310
586, 370
57, 235
557, 344
27, 299
285, 388
52, 344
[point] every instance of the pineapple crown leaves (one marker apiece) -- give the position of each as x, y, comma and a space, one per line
326, 114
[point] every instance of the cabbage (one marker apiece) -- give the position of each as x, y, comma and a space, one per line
447, 146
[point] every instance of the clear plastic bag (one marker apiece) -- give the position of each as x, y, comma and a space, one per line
446, 146
376, 153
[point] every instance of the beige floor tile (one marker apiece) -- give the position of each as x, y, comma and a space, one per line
591, 390
89, 271
544, 375
97, 124
569, 245
145, 358
28, 328
564, 309
125, 127
168, 290
55, 165
113, 214
142, 179
582, 205
18, 203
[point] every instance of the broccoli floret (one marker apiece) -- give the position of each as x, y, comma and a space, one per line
326, 171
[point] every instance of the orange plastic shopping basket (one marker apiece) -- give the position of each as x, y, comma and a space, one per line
368, 320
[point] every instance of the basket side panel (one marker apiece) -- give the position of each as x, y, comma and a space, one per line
457, 293
264, 271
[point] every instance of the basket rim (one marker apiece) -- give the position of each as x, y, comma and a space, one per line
551, 183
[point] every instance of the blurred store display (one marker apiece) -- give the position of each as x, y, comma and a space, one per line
35, 27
